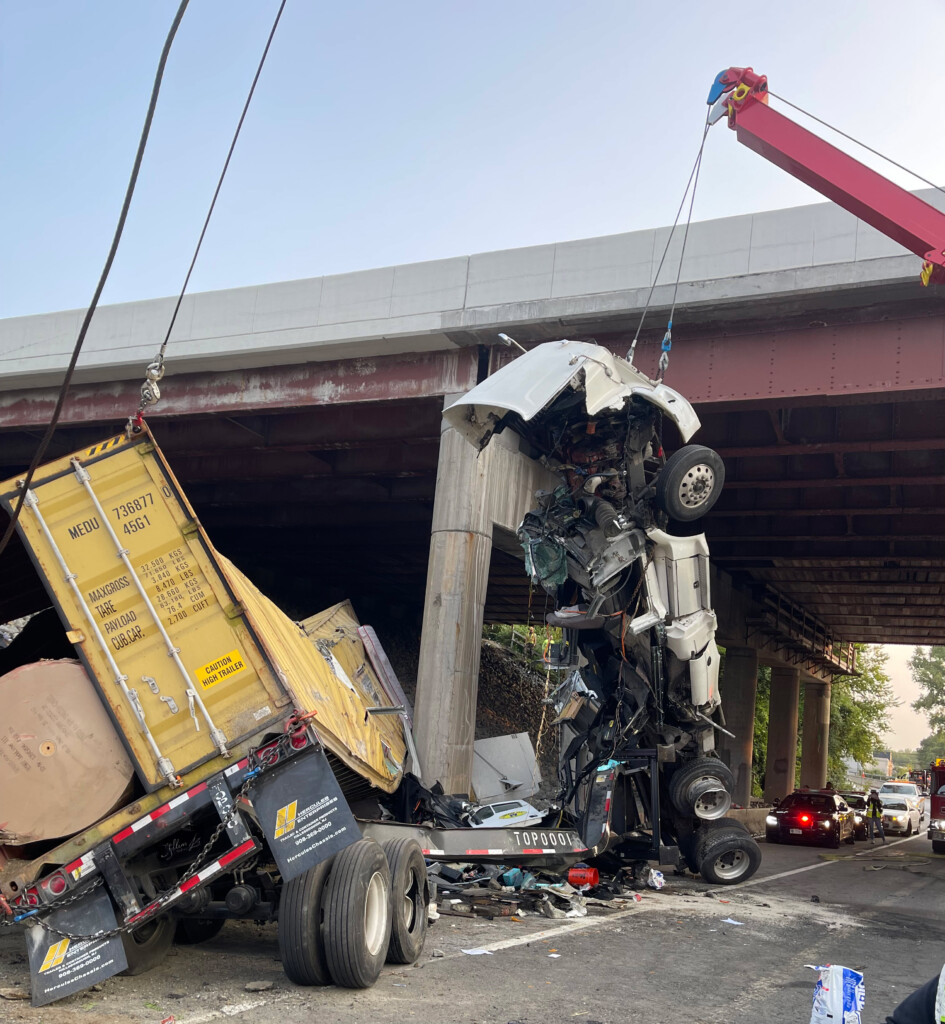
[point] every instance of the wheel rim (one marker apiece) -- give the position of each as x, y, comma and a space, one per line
696, 487
710, 799
732, 865
410, 902
376, 907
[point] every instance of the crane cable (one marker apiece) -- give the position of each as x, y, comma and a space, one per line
691, 184
150, 392
83, 330
856, 142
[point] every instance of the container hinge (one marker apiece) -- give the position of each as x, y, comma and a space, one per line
233, 611
146, 448
190, 527
75, 636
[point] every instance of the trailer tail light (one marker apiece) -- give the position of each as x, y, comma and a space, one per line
805, 818
56, 885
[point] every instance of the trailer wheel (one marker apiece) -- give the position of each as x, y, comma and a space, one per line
728, 856
702, 788
358, 914
301, 942
147, 945
409, 900
192, 930
690, 483
938, 846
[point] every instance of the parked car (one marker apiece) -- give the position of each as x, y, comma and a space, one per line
857, 804
909, 790
899, 815
507, 814
811, 816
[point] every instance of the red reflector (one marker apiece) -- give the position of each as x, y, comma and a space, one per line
56, 885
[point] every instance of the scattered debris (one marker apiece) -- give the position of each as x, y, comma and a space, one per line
731, 920
258, 986
838, 996
477, 952
14, 993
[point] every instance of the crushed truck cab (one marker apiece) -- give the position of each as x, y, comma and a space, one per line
638, 686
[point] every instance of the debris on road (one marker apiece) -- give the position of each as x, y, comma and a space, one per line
838, 996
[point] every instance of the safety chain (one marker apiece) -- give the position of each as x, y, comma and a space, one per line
108, 933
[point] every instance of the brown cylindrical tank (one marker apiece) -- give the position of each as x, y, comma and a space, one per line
62, 765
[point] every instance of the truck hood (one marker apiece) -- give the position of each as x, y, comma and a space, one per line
533, 380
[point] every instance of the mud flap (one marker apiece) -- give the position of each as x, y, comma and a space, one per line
303, 813
60, 966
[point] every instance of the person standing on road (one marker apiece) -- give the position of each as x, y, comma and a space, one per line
874, 817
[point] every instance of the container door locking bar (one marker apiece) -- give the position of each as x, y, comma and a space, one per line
193, 697
165, 767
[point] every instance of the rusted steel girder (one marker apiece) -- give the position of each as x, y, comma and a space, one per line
827, 361
377, 379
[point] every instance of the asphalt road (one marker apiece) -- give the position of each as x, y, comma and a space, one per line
688, 953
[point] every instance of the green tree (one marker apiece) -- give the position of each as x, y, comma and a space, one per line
759, 750
927, 665
859, 711
930, 748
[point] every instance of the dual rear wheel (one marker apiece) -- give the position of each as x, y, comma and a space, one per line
340, 920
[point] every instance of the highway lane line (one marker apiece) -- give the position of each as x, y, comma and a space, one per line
820, 864
576, 925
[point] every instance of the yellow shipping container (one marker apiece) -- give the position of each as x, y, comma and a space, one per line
193, 663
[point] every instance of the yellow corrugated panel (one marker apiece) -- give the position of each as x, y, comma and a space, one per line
328, 672
247, 661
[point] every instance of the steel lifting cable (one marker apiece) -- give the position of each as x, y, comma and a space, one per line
692, 183
150, 392
83, 330
856, 141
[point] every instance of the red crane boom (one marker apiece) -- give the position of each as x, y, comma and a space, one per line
896, 212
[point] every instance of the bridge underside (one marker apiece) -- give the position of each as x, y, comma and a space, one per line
318, 480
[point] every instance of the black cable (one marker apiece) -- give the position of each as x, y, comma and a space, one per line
83, 330
226, 164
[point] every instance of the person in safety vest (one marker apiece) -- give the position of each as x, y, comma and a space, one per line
874, 817
925, 1006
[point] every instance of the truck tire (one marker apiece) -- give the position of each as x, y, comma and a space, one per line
409, 900
690, 483
703, 788
301, 940
728, 856
357, 914
147, 945
192, 930
938, 846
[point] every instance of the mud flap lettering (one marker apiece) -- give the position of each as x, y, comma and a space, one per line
60, 966
303, 813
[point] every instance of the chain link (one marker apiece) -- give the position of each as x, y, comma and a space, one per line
155, 904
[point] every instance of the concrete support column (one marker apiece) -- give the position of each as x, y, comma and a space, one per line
457, 578
816, 734
782, 732
738, 688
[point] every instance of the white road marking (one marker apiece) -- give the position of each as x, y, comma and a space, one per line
819, 864
231, 1010
576, 925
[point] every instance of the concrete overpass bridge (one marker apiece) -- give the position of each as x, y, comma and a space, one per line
303, 419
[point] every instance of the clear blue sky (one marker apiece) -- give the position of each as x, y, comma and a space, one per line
393, 132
